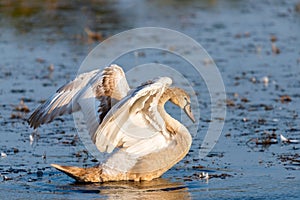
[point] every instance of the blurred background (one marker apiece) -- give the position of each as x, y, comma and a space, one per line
255, 45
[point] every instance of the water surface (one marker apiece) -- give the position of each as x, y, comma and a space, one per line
238, 35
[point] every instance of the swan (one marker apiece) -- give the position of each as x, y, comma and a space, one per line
143, 139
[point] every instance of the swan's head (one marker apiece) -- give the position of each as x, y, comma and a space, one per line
183, 100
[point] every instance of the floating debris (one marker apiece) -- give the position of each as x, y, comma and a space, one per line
204, 175
44, 156
31, 139
275, 49
40, 60
244, 99
50, 68
286, 140
273, 38
265, 80
228, 135
16, 116
261, 121
94, 36
5, 178
74, 140
31, 180
221, 176
139, 54
253, 80
207, 61
230, 103
19, 110
245, 35
266, 140
285, 99
15, 150
292, 159
198, 167
94, 160
78, 154
17, 90
22, 107
245, 119
3, 155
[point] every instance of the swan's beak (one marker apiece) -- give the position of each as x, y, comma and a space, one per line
188, 111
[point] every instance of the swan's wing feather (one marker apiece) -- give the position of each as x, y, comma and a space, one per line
128, 121
61, 102
113, 83
110, 83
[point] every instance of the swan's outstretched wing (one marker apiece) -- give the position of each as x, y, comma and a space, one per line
135, 122
111, 83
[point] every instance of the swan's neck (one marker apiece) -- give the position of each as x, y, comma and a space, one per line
172, 124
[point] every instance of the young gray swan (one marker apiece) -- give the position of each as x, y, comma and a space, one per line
148, 141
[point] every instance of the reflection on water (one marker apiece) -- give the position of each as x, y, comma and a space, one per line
155, 189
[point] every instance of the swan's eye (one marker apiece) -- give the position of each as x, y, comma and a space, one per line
186, 101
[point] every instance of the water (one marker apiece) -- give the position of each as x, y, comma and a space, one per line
237, 34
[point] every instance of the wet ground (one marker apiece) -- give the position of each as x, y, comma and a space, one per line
255, 45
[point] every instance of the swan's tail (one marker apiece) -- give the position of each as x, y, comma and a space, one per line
92, 174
